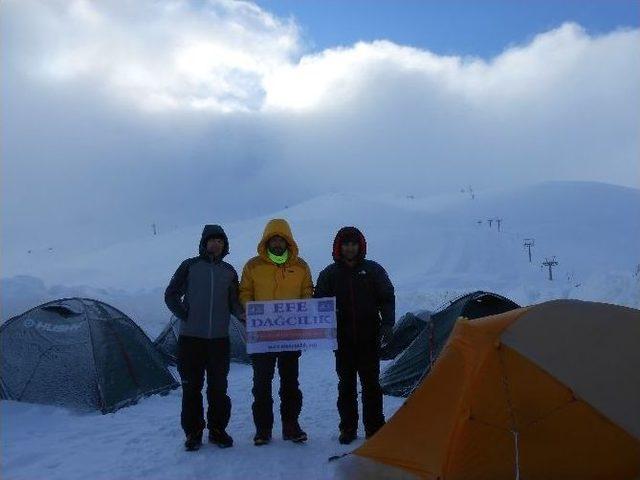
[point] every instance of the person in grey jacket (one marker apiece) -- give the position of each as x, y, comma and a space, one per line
202, 293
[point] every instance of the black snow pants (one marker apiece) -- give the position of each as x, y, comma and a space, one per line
352, 363
197, 356
290, 395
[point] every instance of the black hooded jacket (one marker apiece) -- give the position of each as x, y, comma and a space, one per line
203, 293
365, 296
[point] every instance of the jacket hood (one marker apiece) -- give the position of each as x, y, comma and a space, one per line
280, 227
213, 231
349, 233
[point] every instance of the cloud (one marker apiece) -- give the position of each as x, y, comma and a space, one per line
160, 55
119, 114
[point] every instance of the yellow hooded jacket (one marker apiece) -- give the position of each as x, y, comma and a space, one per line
262, 279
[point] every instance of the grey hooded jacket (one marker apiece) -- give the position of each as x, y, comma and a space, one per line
203, 293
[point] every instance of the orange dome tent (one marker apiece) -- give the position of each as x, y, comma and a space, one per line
549, 391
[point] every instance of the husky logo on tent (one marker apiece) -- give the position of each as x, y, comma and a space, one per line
50, 327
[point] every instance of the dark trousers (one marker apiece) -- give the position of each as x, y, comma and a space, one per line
349, 365
290, 395
195, 357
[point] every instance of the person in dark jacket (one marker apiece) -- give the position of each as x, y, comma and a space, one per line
202, 293
365, 302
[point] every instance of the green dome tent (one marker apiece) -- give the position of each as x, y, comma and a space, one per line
404, 332
406, 372
79, 353
167, 341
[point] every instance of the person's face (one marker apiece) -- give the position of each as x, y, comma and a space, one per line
215, 246
277, 245
350, 250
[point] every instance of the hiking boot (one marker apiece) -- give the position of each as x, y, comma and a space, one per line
193, 442
261, 438
347, 436
291, 431
371, 432
221, 438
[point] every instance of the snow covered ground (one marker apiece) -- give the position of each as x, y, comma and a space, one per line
145, 440
434, 249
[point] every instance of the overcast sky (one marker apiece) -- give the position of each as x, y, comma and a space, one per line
119, 114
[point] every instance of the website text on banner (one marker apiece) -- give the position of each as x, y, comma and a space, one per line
289, 325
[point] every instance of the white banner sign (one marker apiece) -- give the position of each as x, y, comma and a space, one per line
289, 325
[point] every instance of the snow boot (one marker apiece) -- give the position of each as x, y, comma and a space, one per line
291, 431
261, 438
347, 436
220, 438
193, 442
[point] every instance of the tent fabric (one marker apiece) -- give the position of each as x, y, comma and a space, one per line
79, 353
541, 337
402, 376
404, 332
3, 391
354, 467
167, 341
491, 408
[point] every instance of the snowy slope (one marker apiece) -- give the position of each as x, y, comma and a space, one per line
433, 248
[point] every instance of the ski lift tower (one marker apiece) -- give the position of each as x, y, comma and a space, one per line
550, 263
528, 243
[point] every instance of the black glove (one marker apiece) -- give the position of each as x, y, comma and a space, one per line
386, 334
184, 315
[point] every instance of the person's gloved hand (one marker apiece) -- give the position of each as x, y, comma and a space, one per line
386, 334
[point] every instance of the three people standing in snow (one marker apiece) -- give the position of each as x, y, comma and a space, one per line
205, 290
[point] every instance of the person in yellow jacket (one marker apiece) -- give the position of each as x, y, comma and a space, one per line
277, 273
